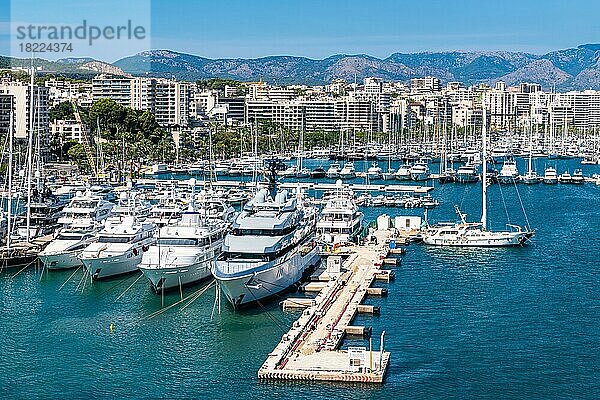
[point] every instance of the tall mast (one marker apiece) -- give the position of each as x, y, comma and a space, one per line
530, 146
484, 174
29, 151
10, 176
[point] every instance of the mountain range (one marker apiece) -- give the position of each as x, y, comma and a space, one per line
575, 68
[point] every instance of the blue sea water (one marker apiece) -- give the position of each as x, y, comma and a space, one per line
498, 323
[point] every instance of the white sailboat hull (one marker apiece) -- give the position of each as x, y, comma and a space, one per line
484, 239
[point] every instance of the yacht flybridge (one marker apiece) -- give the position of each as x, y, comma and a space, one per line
476, 234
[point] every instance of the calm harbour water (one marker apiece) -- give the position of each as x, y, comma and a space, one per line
499, 323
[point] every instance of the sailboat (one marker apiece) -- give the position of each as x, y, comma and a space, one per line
531, 177
22, 253
476, 234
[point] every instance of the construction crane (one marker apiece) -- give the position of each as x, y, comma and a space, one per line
87, 141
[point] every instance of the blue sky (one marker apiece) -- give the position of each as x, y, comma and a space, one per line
317, 29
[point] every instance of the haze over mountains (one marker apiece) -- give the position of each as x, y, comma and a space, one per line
574, 68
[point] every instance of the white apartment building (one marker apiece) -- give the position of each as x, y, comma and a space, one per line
20, 93
167, 99
171, 103
118, 89
427, 84
68, 130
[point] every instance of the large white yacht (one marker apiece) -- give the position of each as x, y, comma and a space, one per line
119, 248
476, 234
64, 250
84, 210
186, 250
269, 248
509, 172
341, 220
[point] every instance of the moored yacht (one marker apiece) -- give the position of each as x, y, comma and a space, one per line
64, 250
374, 172
318, 172
119, 248
333, 172
165, 212
403, 173
530, 178
269, 248
185, 251
550, 177
348, 171
341, 220
474, 234
565, 177
85, 209
509, 172
419, 172
466, 174
577, 177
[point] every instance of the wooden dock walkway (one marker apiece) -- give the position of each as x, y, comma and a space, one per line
311, 348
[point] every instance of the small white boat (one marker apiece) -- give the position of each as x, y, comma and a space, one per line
550, 177
509, 172
565, 177
466, 174
403, 173
419, 172
374, 172
577, 177
333, 172
348, 171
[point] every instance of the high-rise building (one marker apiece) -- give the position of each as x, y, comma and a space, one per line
425, 85
118, 89
23, 114
6, 107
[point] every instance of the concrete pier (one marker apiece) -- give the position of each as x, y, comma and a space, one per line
310, 350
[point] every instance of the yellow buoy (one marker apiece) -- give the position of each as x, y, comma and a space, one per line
112, 328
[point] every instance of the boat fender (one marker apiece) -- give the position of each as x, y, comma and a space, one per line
145, 248
135, 252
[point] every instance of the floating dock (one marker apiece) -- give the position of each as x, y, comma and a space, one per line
390, 188
310, 351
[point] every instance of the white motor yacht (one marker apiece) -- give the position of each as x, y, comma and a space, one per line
64, 250
185, 251
270, 247
119, 248
341, 220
